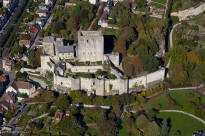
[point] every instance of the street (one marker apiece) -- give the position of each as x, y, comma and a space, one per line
17, 115
10, 21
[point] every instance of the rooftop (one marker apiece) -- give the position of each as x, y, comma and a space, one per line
90, 33
65, 49
22, 85
2, 78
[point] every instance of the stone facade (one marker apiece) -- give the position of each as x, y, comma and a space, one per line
90, 46
104, 87
47, 64
7, 64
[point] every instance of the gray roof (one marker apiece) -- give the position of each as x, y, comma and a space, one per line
65, 49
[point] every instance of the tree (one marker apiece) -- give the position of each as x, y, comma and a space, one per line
58, 26
153, 129
62, 102
71, 126
150, 63
165, 128
34, 57
43, 108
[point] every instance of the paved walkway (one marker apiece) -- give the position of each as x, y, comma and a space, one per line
92, 106
97, 17
185, 113
41, 116
41, 83
186, 88
171, 41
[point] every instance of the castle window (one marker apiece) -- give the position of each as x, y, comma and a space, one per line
87, 41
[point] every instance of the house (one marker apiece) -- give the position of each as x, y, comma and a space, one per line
2, 78
4, 106
42, 13
93, 1
25, 43
22, 87
3, 83
6, 3
49, 2
7, 64
24, 58
12, 5
58, 116
41, 21
10, 98
35, 28
67, 113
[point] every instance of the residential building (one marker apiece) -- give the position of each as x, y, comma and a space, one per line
35, 28
93, 1
25, 43
7, 64
67, 113
58, 116
48, 2
10, 97
22, 87
42, 13
6, 3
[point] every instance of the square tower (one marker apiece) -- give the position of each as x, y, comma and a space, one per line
90, 46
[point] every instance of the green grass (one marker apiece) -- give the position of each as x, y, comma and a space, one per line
160, 1
185, 124
157, 5
49, 83
123, 131
109, 31
184, 4
178, 97
200, 19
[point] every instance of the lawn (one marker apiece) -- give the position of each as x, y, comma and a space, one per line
109, 31
200, 19
182, 123
160, 1
158, 5
184, 4
179, 97
123, 131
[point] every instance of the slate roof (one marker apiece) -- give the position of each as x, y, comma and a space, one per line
65, 49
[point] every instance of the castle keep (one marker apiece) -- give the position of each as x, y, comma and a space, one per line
90, 46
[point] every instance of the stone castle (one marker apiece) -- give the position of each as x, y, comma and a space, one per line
90, 48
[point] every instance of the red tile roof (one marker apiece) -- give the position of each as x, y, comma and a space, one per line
58, 116
22, 85
2, 78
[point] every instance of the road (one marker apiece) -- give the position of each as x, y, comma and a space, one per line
17, 115
97, 17
185, 113
11, 19
48, 21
